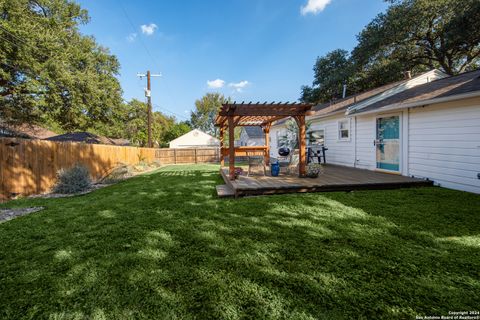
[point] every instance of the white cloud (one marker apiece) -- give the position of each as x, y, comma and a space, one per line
314, 6
239, 85
131, 37
148, 29
215, 84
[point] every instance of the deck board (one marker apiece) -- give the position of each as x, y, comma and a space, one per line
334, 178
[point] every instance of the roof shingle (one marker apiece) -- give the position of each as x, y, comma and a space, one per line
460, 84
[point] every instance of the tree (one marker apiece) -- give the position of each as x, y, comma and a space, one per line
49, 71
290, 138
422, 34
129, 121
206, 109
331, 72
412, 35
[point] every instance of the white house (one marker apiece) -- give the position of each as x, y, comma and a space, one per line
195, 139
252, 136
427, 127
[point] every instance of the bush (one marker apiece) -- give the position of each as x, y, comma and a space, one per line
72, 180
119, 173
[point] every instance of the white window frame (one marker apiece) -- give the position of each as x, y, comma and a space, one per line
319, 129
339, 136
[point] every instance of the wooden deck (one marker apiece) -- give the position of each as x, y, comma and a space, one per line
334, 178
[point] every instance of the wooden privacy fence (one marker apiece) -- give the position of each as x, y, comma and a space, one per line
30, 166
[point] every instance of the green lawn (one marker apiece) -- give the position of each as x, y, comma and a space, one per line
163, 246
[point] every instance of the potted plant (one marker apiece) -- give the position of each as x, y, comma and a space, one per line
238, 172
314, 169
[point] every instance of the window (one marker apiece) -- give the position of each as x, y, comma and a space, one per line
344, 129
316, 138
279, 137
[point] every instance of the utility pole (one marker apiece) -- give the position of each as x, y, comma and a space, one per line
148, 94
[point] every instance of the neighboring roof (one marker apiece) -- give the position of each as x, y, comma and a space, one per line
195, 132
85, 137
451, 87
253, 132
29, 131
120, 142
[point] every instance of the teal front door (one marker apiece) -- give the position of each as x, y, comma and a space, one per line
387, 143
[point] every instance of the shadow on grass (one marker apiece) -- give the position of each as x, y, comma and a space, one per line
163, 246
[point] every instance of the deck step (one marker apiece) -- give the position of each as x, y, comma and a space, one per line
224, 191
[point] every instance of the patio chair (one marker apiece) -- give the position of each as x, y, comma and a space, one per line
256, 159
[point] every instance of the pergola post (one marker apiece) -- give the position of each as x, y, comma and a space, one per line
222, 136
302, 145
231, 148
266, 129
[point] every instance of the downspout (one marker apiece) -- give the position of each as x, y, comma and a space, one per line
355, 142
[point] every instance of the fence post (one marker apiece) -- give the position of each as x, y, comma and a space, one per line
175, 156
195, 150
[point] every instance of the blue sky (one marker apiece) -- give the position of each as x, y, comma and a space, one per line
252, 50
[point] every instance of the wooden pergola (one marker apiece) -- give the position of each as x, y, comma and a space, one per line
263, 115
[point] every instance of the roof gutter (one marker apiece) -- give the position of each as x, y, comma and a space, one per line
314, 117
397, 106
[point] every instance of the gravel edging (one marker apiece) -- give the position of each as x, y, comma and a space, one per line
95, 186
9, 214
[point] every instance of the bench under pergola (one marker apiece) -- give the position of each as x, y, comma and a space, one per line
235, 114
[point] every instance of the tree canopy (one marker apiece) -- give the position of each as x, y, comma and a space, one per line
412, 35
129, 121
49, 71
206, 109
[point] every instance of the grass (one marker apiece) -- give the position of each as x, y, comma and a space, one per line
163, 246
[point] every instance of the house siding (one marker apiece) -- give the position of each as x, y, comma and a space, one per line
339, 152
440, 142
444, 144
365, 150
275, 132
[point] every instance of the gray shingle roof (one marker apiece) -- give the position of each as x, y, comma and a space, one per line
254, 131
327, 108
29, 131
460, 84
85, 137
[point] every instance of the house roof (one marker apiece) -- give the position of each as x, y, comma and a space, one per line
344, 104
254, 132
29, 131
449, 87
194, 133
331, 107
373, 96
85, 137
120, 141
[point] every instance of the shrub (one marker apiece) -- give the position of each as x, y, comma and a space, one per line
72, 180
119, 173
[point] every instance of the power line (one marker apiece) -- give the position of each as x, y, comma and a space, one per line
134, 31
155, 62
171, 112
